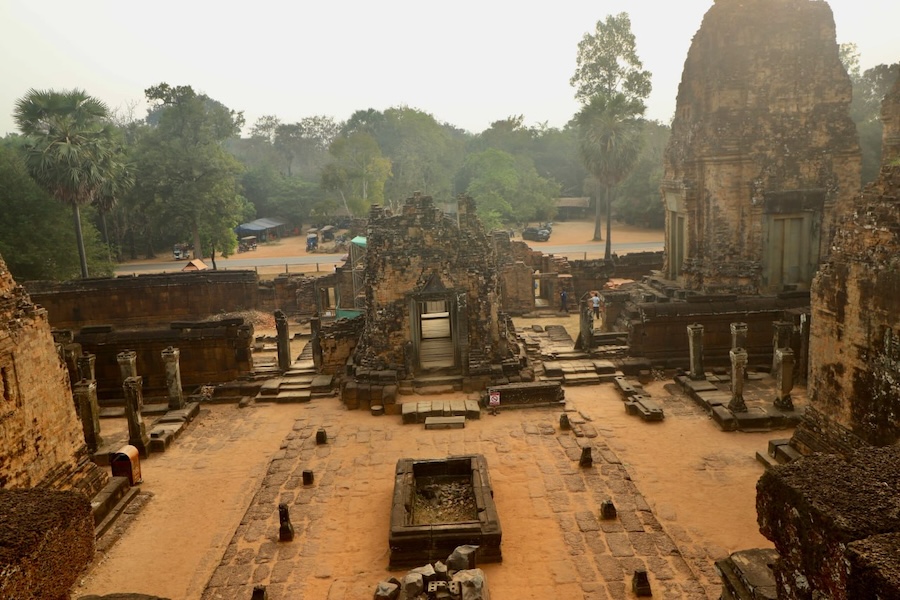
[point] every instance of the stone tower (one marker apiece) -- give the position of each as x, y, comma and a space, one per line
41, 438
763, 153
854, 379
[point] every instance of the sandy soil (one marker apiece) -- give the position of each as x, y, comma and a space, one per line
568, 232
699, 481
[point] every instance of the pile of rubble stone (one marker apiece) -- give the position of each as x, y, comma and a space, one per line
455, 579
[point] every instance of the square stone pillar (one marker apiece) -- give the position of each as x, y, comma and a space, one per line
170, 357
738, 335
784, 378
89, 413
783, 330
695, 344
87, 366
738, 368
127, 364
134, 404
283, 342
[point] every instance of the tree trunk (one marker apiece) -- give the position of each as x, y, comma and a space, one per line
212, 258
608, 254
198, 251
79, 237
105, 235
598, 229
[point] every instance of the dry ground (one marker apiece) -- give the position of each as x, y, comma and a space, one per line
699, 482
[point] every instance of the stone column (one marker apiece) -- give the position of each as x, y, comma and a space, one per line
738, 367
783, 330
738, 335
71, 354
284, 341
89, 413
87, 366
134, 403
127, 364
802, 366
315, 326
170, 357
784, 378
695, 343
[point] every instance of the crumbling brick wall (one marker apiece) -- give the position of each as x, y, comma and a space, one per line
835, 523
762, 132
46, 543
855, 327
41, 439
890, 118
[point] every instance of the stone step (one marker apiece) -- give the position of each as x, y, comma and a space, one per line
445, 422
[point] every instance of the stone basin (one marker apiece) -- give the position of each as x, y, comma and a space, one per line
417, 537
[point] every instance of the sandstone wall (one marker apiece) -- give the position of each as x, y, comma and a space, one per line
146, 300
855, 329
41, 438
890, 118
762, 129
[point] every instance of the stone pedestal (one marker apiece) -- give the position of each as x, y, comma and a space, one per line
127, 360
87, 363
89, 412
171, 357
134, 403
283, 342
784, 378
738, 335
695, 343
781, 338
738, 369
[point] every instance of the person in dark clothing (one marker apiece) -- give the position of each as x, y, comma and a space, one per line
564, 301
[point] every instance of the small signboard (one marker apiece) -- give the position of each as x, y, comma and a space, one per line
494, 399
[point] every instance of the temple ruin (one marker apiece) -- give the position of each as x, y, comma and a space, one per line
763, 155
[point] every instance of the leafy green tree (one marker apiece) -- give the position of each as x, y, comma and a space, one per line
36, 236
187, 179
70, 150
611, 84
637, 201
276, 195
357, 173
608, 63
869, 89
507, 188
610, 143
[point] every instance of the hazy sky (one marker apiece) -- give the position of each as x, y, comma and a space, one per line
467, 62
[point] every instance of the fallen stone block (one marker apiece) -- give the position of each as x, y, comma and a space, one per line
445, 422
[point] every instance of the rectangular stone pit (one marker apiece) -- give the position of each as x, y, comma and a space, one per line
441, 504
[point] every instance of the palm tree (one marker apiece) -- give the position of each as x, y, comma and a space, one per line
609, 140
69, 151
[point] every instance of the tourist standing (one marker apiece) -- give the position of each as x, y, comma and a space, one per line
564, 301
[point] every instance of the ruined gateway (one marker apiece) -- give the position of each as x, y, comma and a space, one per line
831, 516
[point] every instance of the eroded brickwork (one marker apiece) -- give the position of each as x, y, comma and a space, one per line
41, 439
890, 118
763, 155
423, 255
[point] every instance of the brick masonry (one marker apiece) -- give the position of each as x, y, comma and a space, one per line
762, 130
41, 439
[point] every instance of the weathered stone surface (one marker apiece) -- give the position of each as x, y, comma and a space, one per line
762, 141
472, 584
43, 441
813, 508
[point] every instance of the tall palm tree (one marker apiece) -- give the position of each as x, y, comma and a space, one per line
69, 151
609, 140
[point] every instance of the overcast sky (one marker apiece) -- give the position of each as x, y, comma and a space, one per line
468, 63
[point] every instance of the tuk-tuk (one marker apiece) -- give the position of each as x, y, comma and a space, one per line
312, 241
247, 243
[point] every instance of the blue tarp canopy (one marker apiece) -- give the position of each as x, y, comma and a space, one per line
258, 225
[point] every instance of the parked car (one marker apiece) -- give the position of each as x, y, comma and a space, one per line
536, 234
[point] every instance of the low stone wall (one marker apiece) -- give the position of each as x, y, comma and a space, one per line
836, 524
46, 542
145, 300
210, 352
